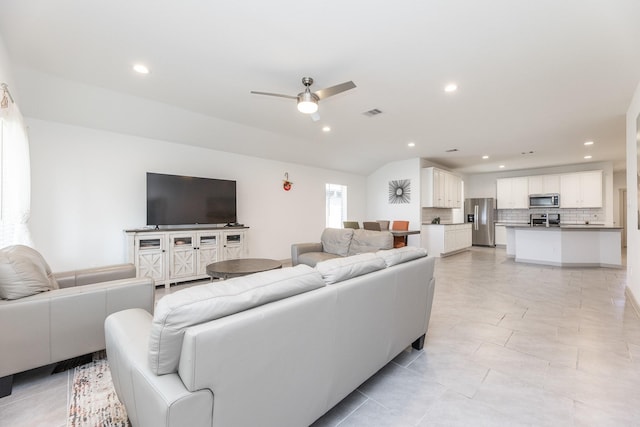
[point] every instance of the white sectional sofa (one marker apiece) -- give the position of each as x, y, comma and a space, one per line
278, 348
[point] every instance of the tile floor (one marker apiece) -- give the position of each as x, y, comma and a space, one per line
508, 345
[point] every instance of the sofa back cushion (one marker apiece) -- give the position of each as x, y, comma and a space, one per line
199, 304
24, 272
400, 255
370, 241
336, 240
339, 269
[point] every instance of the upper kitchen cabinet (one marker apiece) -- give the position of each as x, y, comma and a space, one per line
581, 190
513, 193
441, 189
544, 184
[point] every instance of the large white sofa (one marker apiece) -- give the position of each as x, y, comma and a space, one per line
278, 348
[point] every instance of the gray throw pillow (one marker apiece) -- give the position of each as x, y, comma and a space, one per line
336, 240
370, 241
24, 272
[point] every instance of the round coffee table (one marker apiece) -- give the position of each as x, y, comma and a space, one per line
241, 267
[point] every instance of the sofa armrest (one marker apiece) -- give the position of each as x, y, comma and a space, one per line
150, 400
87, 276
298, 249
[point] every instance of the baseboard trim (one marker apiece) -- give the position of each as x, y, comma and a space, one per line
631, 298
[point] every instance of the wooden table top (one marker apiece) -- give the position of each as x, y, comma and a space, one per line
241, 267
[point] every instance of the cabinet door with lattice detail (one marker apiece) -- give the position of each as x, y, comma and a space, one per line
207, 249
150, 257
182, 256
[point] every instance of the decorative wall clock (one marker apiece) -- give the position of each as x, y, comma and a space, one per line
400, 191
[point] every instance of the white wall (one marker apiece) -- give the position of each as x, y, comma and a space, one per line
484, 185
619, 183
633, 234
378, 206
89, 185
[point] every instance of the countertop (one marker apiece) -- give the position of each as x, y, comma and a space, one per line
581, 227
456, 223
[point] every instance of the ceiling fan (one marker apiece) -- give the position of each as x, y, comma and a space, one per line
307, 100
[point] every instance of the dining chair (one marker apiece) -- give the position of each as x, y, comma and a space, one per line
400, 241
371, 225
350, 224
384, 224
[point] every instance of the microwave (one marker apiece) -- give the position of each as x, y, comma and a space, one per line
551, 200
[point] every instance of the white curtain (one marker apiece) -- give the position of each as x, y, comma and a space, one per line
15, 179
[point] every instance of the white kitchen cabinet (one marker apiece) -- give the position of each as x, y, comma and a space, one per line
174, 255
445, 239
501, 235
513, 193
544, 184
581, 190
440, 189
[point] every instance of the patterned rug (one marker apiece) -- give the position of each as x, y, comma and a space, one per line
93, 399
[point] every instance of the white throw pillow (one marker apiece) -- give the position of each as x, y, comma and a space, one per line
400, 255
339, 269
24, 272
199, 304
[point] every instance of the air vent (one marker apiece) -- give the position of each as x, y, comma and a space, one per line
452, 150
373, 112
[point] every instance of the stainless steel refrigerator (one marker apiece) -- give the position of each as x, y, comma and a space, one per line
481, 213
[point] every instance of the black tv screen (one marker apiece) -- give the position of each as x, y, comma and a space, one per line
183, 200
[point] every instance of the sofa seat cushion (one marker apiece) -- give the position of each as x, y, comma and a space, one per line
400, 255
24, 272
199, 304
336, 240
340, 269
370, 241
313, 258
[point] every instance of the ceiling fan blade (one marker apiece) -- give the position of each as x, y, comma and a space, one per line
274, 94
315, 116
334, 90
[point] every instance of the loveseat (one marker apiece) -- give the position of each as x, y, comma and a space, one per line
49, 317
272, 349
340, 242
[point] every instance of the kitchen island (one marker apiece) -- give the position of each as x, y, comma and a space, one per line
566, 245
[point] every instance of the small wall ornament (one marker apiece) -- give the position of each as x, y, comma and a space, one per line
400, 191
286, 184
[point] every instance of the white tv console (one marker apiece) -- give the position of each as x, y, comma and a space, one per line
172, 255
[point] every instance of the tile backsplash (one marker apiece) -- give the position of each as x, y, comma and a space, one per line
567, 216
445, 215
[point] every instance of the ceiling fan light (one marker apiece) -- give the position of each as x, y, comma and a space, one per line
307, 103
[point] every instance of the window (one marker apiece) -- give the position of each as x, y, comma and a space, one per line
15, 186
336, 203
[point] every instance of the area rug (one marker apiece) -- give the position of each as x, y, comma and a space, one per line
93, 401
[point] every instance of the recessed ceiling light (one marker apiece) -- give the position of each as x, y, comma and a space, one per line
326, 129
141, 69
411, 144
587, 157
501, 166
588, 143
485, 157
451, 87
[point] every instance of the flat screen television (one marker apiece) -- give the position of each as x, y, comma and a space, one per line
186, 200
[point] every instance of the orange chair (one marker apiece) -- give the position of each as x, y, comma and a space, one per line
400, 241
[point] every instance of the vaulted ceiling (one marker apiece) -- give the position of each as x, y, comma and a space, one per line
534, 77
